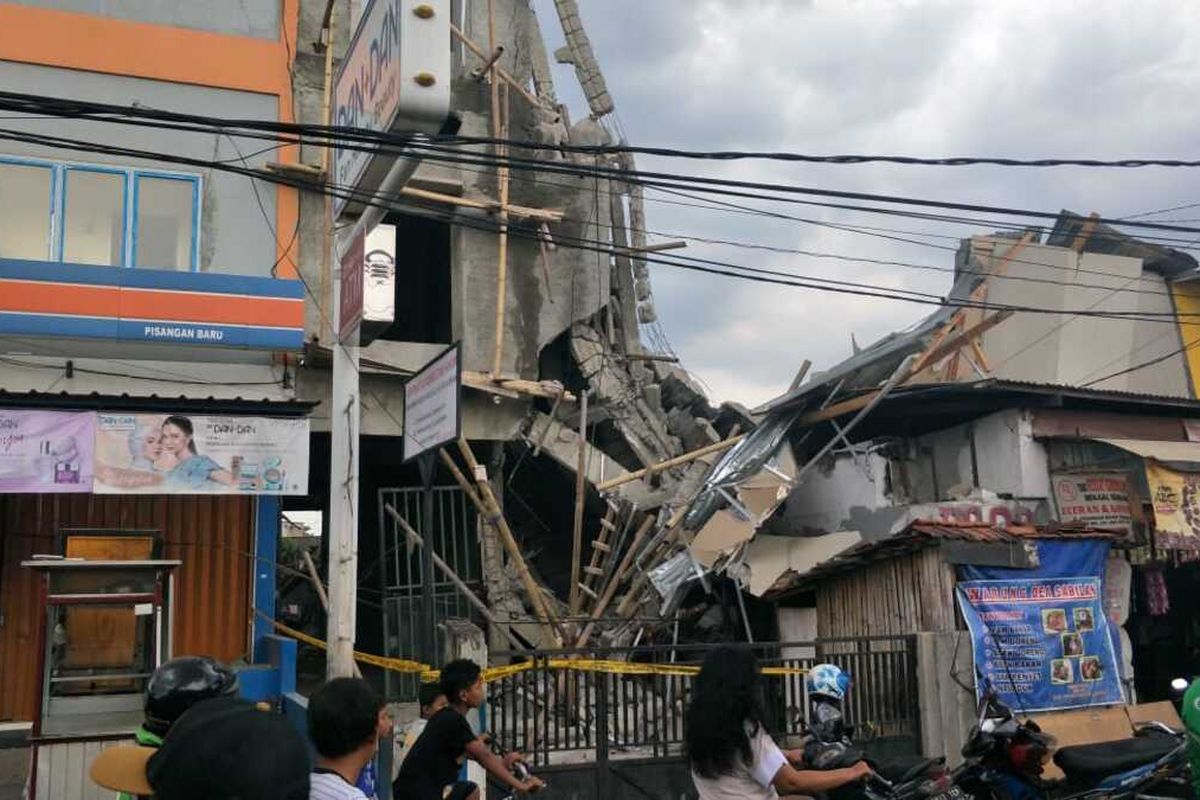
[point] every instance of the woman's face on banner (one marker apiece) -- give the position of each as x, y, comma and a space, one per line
174, 440
152, 444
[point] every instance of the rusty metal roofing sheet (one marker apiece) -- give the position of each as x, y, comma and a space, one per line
919, 535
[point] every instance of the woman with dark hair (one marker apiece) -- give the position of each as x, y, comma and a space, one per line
728, 748
185, 466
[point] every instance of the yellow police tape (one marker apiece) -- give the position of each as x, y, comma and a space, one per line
429, 674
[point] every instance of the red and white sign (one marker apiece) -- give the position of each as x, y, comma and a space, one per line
350, 298
1098, 499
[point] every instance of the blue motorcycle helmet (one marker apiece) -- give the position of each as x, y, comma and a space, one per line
827, 680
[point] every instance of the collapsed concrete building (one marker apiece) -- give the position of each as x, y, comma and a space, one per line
570, 373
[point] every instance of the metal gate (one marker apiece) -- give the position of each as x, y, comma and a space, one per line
456, 540
604, 734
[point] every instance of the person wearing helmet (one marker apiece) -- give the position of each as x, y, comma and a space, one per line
728, 748
827, 685
176, 686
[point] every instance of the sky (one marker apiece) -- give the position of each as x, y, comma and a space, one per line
1102, 79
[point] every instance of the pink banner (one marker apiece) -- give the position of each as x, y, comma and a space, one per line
46, 451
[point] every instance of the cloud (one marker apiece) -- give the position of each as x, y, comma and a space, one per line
1021, 78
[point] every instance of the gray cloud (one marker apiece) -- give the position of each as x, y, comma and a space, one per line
1018, 79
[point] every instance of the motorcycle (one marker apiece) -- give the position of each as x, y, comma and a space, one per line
829, 744
1006, 757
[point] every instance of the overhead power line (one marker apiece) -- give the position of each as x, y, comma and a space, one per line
710, 266
354, 138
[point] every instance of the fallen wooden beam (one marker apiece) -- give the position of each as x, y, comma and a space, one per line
717, 447
458, 582
322, 595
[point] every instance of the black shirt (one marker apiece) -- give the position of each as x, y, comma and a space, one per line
436, 757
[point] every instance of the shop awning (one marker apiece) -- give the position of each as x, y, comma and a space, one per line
1160, 451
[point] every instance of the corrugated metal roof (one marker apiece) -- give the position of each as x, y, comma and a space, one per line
155, 402
919, 535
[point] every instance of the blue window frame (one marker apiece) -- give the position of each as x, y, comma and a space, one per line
133, 217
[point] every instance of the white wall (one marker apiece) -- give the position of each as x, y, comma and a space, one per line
1071, 350
848, 494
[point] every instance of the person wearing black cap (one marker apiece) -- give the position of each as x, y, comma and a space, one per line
346, 719
220, 748
176, 686
430, 770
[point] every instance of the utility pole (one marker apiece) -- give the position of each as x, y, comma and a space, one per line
409, 92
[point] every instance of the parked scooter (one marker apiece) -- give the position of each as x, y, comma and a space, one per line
1006, 759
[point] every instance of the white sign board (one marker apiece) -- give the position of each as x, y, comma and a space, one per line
432, 414
379, 284
395, 77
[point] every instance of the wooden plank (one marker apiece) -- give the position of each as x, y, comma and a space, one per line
1085, 232
670, 462
959, 340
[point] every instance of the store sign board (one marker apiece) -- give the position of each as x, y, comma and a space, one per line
177, 454
46, 452
1097, 499
350, 290
432, 409
395, 78
1175, 497
200, 309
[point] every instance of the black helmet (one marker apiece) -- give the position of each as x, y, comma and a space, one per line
179, 684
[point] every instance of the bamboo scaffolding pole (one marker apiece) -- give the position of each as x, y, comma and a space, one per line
670, 462
580, 496
504, 75
490, 509
498, 132
482, 205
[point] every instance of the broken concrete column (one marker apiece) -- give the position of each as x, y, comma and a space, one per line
579, 54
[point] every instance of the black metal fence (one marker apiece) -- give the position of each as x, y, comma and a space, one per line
559, 716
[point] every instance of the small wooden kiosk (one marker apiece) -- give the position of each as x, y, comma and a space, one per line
106, 626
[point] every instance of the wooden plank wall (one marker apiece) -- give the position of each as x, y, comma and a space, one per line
212, 535
910, 593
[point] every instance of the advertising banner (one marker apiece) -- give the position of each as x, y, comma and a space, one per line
1176, 500
1040, 636
1098, 500
176, 454
45, 452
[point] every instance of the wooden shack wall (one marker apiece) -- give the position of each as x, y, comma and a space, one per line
212, 534
910, 593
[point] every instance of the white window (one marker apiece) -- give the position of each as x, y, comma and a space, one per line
94, 217
89, 214
165, 232
26, 192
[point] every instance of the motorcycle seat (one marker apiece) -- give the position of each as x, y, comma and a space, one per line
903, 770
1091, 763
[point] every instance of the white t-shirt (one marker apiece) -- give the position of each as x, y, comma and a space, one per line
331, 786
746, 782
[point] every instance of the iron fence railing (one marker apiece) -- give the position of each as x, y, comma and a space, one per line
544, 711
